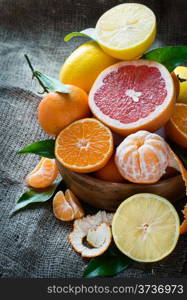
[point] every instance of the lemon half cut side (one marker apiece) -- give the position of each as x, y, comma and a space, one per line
126, 31
145, 227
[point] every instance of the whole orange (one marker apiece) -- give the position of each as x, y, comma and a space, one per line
109, 172
58, 110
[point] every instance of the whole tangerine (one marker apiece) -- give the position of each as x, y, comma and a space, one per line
58, 110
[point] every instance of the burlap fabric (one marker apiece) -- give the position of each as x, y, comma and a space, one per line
32, 242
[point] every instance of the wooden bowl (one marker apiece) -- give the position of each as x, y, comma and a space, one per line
106, 195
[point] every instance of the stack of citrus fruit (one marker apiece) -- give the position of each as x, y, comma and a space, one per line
129, 96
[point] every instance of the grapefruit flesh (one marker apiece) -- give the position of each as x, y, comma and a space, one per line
134, 95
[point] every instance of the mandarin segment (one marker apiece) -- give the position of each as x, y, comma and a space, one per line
84, 146
43, 174
66, 207
61, 208
75, 204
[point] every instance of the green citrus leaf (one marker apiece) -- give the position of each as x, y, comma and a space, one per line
108, 264
47, 83
37, 195
51, 84
170, 57
43, 148
88, 33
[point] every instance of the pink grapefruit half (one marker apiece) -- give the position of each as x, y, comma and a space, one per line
133, 95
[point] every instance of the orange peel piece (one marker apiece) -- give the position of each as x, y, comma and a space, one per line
43, 174
67, 207
97, 231
183, 227
177, 164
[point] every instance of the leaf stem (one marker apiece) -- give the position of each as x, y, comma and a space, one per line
35, 74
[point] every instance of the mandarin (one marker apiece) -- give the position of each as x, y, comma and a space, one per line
109, 172
57, 110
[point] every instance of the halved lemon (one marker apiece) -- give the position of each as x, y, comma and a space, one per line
127, 30
145, 227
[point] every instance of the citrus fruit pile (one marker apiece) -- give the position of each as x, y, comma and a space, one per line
104, 113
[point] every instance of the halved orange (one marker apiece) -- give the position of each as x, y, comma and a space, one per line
176, 128
84, 146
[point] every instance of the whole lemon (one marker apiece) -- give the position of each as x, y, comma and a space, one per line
83, 66
182, 73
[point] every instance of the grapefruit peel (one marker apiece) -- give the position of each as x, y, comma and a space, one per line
97, 231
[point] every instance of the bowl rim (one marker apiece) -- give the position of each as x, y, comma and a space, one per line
91, 179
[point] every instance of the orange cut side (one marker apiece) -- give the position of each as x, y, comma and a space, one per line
176, 128
84, 146
43, 174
